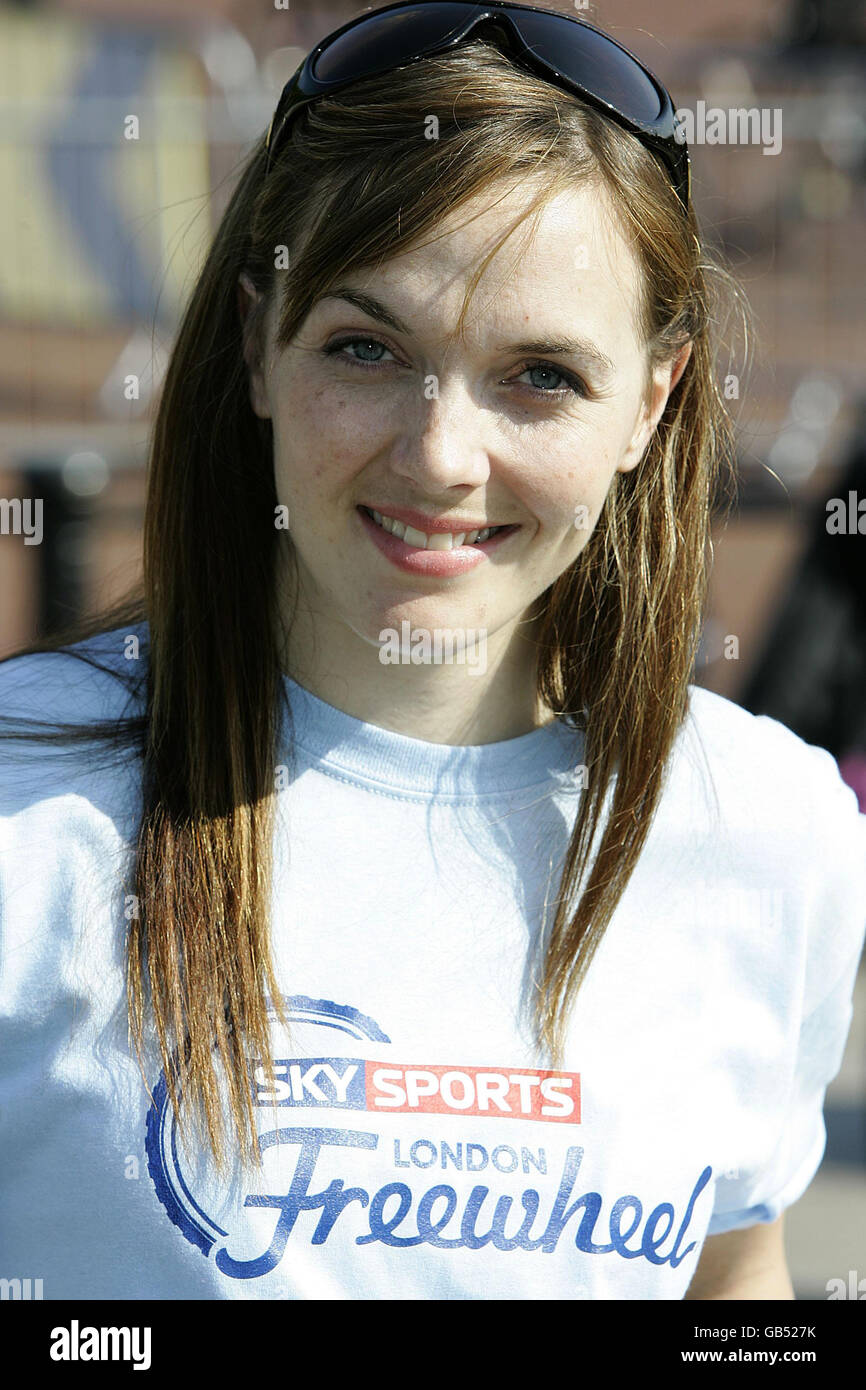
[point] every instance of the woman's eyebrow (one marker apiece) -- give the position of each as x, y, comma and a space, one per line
581, 348
368, 305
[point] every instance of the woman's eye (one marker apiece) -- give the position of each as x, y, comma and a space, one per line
544, 375
542, 372
365, 344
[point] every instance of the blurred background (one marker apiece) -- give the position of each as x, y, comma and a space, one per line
123, 125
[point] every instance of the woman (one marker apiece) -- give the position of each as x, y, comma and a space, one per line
397, 785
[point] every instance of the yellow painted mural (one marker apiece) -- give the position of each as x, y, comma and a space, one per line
97, 227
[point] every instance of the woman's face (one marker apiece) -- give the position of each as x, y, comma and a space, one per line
374, 409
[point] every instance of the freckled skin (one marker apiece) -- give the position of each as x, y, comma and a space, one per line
490, 447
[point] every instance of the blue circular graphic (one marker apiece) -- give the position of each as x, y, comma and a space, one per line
163, 1162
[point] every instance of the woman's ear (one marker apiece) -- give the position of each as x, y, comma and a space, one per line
664, 379
249, 311
679, 365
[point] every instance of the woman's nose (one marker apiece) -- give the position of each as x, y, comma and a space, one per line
446, 443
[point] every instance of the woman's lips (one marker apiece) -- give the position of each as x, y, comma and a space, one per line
435, 563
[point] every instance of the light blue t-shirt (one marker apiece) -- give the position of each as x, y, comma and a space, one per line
415, 1143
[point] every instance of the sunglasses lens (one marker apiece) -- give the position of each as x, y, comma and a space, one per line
387, 41
597, 64
583, 56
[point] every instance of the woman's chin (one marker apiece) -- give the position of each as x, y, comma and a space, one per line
418, 619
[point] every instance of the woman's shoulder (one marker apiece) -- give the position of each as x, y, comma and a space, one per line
794, 824
763, 762
89, 680
94, 683
68, 806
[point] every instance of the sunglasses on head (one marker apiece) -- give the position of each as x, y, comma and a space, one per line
566, 51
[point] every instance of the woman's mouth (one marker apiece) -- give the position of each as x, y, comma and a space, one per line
437, 540
437, 554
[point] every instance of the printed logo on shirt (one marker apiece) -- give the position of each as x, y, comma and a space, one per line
318, 1178
351, 1083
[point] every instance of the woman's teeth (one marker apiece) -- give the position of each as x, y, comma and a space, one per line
440, 540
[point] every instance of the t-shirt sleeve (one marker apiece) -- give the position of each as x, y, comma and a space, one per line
834, 884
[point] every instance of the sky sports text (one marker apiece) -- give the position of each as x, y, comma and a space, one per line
353, 1083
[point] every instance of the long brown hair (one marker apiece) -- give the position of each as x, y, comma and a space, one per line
356, 182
